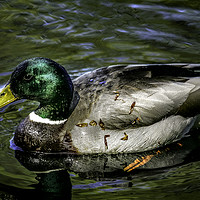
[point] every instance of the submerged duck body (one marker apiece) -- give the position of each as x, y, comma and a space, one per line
115, 109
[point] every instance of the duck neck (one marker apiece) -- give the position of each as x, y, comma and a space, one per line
55, 111
60, 109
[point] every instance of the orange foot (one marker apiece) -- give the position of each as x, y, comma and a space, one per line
137, 163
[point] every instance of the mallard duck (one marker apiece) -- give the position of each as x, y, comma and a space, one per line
115, 109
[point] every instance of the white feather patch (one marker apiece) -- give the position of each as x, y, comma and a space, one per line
36, 118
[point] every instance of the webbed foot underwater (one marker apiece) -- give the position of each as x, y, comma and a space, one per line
115, 109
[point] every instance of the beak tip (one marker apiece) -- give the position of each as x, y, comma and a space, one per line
6, 96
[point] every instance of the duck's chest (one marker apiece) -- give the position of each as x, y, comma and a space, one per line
34, 135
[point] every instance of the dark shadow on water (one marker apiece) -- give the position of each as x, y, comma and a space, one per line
52, 185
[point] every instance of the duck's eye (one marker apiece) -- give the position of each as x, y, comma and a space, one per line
28, 77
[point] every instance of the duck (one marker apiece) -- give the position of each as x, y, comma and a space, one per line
123, 108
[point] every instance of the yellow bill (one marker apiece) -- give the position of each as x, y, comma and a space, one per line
6, 96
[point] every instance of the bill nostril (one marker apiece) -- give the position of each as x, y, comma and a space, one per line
2, 94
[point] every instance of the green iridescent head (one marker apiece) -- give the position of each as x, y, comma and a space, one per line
45, 81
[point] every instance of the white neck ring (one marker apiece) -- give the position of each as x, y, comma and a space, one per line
36, 118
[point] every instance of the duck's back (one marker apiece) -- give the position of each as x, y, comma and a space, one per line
131, 98
120, 94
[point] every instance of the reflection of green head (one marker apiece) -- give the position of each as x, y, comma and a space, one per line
55, 184
45, 81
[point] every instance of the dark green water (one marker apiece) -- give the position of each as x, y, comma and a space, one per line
82, 36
